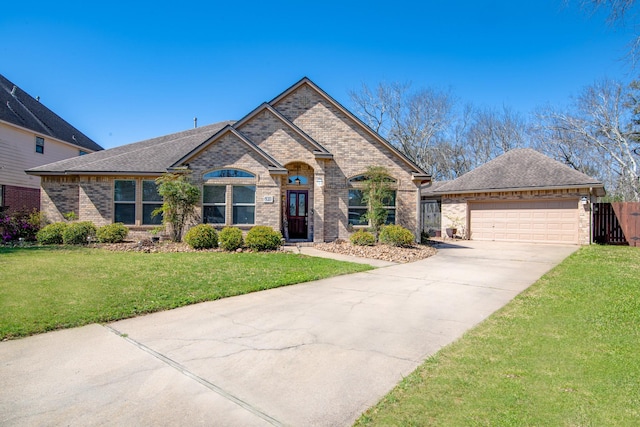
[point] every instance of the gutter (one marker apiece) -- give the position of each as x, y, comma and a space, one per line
503, 190
92, 173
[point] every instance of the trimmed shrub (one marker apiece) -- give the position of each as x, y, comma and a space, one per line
112, 233
396, 235
202, 236
263, 238
52, 234
362, 238
230, 238
76, 233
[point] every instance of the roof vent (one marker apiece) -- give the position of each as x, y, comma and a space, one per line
195, 122
13, 91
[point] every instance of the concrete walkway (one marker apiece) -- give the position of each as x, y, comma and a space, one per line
315, 354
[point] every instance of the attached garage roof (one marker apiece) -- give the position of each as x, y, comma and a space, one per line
519, 169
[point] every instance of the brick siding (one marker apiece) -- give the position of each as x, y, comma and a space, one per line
21, 199
353, 148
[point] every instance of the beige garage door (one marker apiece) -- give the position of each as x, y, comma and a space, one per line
552, 221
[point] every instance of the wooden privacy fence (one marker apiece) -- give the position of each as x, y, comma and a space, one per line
617, 223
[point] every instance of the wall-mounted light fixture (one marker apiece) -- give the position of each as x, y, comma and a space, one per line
584, 200
319, 181
297, 180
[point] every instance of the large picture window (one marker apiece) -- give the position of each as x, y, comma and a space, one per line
151, 200
229, 197
124, 201
358, 208
214, 204
244, 204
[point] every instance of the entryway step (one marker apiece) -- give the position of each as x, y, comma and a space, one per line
306, 244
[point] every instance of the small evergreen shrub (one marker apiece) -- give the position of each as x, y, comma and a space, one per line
76, 233
202, 236
231, 238
362, 238
263, 238
112, 233
396, 235
52, 234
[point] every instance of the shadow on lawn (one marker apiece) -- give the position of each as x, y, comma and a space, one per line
30, 247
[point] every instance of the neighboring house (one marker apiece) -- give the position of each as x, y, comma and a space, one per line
521, 196
295, 163
31, 135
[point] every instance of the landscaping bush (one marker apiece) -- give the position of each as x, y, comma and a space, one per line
21, 224
202, 236
52, 234
230, 238
112, 233
362, 238
263, 238
396, 235
76, 233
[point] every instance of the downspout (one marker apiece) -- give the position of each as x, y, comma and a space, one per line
591, 215
419, 214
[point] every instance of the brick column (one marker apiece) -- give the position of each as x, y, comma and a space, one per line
318, 206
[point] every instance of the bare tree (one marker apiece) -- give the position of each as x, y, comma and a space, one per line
416, 122
599, 134
491, 133
620, 12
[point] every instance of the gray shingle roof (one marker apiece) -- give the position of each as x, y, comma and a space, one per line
522, 168
149, 156
19, 108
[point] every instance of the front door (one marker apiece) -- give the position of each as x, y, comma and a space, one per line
297, 203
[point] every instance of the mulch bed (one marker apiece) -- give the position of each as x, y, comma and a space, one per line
382, 252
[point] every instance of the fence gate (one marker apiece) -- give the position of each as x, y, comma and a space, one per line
616, 223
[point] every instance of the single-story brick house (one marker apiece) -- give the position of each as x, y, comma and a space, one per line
521, 196
294, 163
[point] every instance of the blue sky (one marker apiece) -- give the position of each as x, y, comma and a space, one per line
126, 71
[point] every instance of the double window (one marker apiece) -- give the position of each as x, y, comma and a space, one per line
126, 206
229, 197
358, 208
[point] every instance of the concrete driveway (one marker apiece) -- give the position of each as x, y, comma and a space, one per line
316, 354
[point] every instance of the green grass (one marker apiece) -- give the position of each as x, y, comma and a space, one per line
47, 288
566, 352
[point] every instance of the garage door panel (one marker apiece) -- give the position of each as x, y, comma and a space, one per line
553, 221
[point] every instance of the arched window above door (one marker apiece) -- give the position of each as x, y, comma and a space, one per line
228, 173
298, 180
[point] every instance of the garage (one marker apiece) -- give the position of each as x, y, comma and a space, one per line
540, 221
520, 196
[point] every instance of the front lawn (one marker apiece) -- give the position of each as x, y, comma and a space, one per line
47, 288
566, 352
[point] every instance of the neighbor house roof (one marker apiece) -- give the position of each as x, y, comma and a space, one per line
151, 156
519, 169
20, 109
